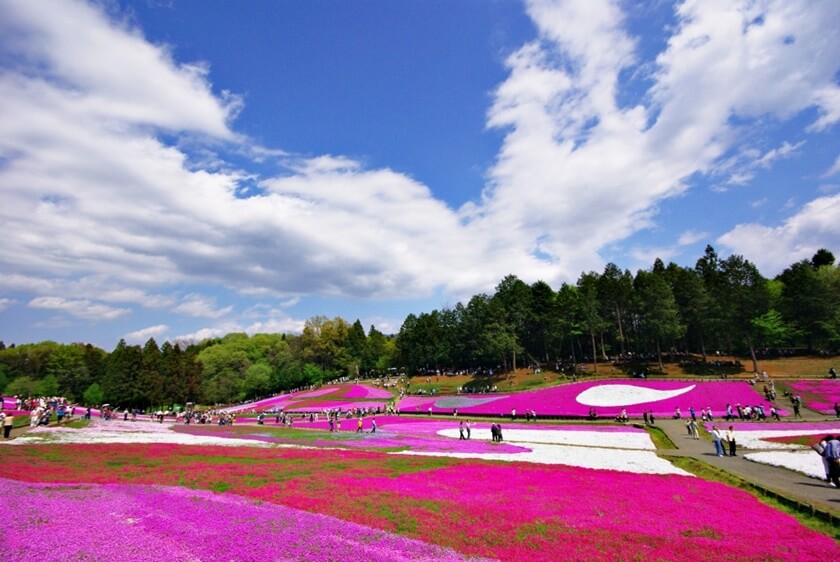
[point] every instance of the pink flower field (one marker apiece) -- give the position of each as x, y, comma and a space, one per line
819, 395
139, 523
413, 489
345, 396
607, 397
182, 502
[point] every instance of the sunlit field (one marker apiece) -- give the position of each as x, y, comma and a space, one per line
416, 488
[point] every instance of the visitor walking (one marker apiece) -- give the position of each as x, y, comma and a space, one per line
693, 429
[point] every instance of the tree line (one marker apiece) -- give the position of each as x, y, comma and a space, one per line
223, 370
719, 304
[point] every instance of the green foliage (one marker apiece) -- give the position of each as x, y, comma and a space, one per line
22, 386
93, 395
257, 381
313, 373
48, 386
4, 376
770, 329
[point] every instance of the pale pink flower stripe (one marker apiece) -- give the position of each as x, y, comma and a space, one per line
303, 401
154, 523
313, 393
823, 393
274, 403
344, 406
561, 400
365, 391
9, 403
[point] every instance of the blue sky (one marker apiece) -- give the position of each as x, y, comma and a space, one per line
185, 169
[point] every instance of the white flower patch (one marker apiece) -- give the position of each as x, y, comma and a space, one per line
608, 439
117, 431
758, 439
626, 395
605, 450
638, 462
807, 462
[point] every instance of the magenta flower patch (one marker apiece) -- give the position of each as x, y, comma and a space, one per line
819, 395
154, 523
607, 398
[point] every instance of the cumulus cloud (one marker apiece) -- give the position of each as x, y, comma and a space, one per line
102, 207
692, 237
143, 335
201, 306
6, 303
578, 172
799, 237
79, 308
835, 168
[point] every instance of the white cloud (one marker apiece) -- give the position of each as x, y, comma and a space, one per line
6, 303
580, 172
79, 308
742, 168
828, 100
110, 72
276, 326
799, 237
54, 322
98, 207
835, 168
690, 237
202, 307
143, 335
209, 333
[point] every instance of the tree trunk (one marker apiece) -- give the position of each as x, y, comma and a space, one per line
594, 353
620, 329
603, 349
574, 355
752, 355
659, 356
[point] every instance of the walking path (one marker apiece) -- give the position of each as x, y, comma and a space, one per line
808, 493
